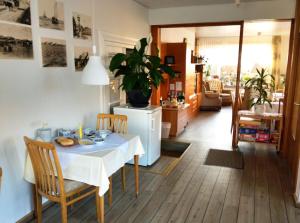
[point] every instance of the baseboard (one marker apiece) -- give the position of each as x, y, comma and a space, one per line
296, 200
30, 216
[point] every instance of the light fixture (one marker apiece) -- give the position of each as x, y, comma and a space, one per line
237, 3
94, 72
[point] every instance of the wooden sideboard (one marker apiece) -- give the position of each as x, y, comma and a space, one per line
178, 117
188, 74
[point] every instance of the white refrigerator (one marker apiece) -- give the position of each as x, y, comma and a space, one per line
145, 122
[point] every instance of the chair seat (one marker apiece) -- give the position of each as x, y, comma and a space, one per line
71, 185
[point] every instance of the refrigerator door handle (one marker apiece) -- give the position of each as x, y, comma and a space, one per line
152, 125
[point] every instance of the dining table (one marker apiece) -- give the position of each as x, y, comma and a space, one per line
94, 164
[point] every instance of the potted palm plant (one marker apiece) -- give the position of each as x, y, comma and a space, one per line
260, 85
140, 72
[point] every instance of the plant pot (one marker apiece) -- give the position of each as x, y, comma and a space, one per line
137, 99
259, 109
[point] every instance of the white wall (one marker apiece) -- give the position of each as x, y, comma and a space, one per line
176, 35
30, 94
276, 9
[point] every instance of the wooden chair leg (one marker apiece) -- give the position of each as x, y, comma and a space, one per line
72, 205
64, 212
38, 207
123, 175
110, 192
34, 201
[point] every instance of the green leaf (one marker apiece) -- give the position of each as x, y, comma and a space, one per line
143, 43
116, 61
167, 70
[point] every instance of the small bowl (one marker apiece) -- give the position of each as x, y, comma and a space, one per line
98, 140
103, 133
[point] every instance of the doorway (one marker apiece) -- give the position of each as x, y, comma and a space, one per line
229, 53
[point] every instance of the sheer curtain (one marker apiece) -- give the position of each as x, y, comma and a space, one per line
222, 54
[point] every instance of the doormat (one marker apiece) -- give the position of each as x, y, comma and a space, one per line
225, 158
171, 153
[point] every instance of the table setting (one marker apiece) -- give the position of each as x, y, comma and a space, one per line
90, 156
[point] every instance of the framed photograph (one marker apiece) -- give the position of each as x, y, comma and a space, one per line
82, 26
54, 52
82, 55
51, 14
17, 11
15, 42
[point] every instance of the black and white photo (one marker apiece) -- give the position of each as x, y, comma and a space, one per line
15, 11
15, 42
51, 14
82, 26
54, 52
82, 55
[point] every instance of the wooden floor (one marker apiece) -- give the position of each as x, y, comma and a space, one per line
194, 192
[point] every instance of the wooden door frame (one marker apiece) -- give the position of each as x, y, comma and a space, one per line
293, 69
156, 43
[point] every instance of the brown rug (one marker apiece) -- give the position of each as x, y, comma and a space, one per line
225, 158
171, 153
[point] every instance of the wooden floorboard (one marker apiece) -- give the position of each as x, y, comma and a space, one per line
216, 203
184, 205
201, 202
175, 195
195, 193
246, 204
149, 211
232, 199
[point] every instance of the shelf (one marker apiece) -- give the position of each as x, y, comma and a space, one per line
241, 140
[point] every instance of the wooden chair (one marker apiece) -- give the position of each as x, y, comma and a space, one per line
118, 124
114, 123
49, 181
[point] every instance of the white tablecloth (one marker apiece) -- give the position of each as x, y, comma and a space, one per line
94, 164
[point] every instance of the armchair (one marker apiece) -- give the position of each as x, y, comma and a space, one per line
216, 85
210, 100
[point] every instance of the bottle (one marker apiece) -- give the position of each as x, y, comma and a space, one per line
160, 101
80, 131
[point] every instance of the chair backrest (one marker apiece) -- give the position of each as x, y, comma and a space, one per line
47, 170
215, 85
115, 123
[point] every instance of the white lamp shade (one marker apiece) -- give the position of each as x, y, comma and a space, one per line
94, 72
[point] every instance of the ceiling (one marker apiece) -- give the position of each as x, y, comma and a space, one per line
155, 4
264, 28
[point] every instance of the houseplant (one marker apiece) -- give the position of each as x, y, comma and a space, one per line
140, 72
260, 85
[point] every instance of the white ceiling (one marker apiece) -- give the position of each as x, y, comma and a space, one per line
155, 4
264, 28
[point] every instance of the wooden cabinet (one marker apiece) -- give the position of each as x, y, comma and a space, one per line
187, 74
178, 117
